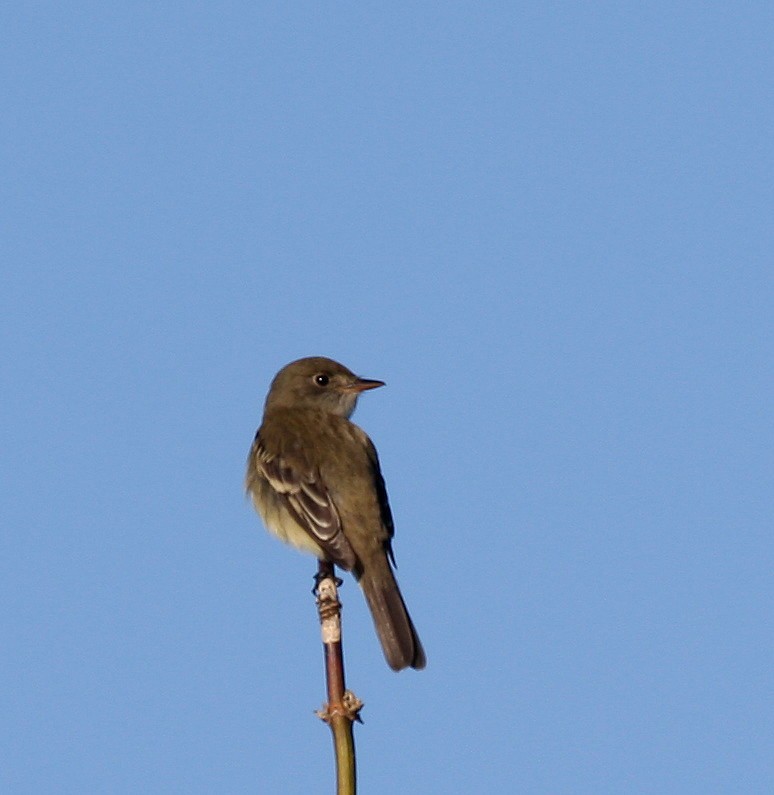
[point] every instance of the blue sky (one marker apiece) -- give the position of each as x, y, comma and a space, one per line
549, 230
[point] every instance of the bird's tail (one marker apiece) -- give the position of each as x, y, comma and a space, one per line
400, 642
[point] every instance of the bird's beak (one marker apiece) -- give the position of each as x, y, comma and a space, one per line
362, 384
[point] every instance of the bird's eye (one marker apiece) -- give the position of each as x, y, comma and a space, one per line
321, 379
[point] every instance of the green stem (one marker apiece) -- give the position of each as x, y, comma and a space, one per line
343, 707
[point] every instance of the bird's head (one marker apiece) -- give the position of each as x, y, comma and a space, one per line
320, 383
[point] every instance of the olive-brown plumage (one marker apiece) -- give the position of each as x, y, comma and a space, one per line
314, 478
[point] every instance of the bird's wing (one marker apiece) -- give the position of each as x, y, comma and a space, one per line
381, 495
308, 501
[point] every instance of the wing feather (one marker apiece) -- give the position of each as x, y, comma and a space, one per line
308, 501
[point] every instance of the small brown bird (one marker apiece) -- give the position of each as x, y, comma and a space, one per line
314, 478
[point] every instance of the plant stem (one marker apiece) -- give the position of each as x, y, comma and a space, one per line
343, 707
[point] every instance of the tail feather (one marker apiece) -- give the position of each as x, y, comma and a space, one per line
400, 642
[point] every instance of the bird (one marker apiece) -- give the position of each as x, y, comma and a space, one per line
315, 480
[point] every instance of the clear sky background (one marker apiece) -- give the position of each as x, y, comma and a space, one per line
548, 228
